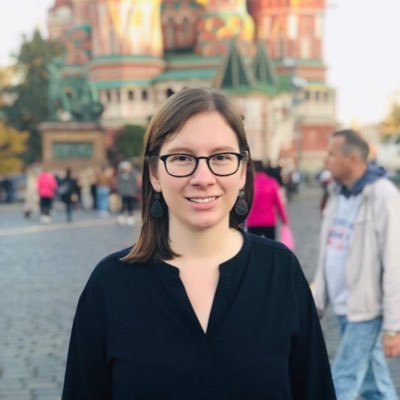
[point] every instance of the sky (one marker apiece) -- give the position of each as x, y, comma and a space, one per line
360, 50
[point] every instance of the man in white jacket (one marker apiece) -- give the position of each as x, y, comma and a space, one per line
359, 269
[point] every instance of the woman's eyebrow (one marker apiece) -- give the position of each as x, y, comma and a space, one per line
184, 149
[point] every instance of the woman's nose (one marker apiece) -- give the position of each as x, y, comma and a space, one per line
203, 173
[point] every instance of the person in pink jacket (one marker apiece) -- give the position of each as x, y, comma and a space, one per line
46, 186
262, 218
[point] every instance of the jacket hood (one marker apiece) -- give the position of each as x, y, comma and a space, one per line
371, 175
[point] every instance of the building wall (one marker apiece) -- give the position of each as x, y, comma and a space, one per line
126, 54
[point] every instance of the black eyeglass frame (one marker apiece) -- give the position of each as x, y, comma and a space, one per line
164, 158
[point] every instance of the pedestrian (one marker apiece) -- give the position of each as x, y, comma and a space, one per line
31, 197
274, 172
267, 204
8, 188
128, 189
295, 178
103, 190
68, 191
93, 194
197, 308
359, 269
325, 179
46, 186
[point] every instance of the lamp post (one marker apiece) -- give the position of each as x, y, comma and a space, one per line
298, 85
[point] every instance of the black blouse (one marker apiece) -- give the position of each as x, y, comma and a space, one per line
136, 336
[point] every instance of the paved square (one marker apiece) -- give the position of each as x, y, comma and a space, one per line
43, 270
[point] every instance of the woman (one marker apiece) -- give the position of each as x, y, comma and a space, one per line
197, 309
266, 205
46, 186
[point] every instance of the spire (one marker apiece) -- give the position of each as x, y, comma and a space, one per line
61, 2
234, 72
262, 65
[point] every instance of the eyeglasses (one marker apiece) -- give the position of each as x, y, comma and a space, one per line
181, 165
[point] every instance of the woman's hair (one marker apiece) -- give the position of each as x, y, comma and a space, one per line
153, 243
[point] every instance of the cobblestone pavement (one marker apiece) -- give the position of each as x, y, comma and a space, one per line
43, 270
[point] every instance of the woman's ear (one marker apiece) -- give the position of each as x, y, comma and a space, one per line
153, 174
243, 173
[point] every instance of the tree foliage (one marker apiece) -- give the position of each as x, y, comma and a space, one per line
12, 145
30, 107
394, 115
129, 141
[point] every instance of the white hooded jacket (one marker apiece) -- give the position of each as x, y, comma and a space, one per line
373, 264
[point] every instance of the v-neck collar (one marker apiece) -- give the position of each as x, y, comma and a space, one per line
230, 274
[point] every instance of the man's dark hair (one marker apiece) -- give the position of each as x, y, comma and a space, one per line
353, 142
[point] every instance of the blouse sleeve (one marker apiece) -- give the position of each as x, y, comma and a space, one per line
87, 374
310, 372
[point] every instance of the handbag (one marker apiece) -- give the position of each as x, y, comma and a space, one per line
286, 237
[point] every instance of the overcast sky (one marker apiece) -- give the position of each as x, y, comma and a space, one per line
361, 50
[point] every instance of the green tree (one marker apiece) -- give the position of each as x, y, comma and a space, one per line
12, 145
390, 128
30, 107
129, 141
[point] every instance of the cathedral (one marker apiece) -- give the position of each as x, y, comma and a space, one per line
266, 54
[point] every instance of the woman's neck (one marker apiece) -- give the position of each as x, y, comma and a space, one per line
217, 243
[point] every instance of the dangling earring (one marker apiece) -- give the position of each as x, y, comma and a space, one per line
241, 207
157, 209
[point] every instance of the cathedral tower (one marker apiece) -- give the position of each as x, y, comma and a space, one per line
179, 24
292, 31
223, 21
127, 27
60, 18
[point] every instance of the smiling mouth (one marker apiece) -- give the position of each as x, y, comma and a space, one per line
201, 199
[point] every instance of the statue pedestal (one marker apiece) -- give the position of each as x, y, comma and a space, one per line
72, 144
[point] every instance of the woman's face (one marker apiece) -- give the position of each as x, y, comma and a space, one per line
201, 200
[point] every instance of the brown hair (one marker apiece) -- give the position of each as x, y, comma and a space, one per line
153, 243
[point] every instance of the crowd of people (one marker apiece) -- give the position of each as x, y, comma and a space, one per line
117, 190
108, 189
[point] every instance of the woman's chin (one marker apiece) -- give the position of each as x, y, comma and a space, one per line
206, 222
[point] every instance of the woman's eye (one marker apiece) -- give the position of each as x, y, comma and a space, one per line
181, 158
222, 157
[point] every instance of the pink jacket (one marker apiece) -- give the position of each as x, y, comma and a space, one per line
266, 202
46, 184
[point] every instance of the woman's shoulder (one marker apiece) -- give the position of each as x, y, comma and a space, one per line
112, 266
273, 255
268, 246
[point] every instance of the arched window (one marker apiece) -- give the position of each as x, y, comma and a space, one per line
170, 33
145, 95
131, 95
305, 47
281, 47
186, 27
